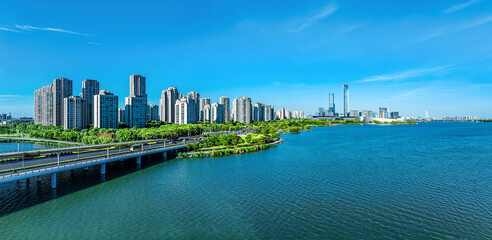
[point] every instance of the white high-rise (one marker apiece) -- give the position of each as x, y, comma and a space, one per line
75, 110
138, 86
43, 106
217, 113
207, 112
195, 98
185, 109
242, 109
269, 113
281, 114
167, 104
106, 111
204, 102
258, 112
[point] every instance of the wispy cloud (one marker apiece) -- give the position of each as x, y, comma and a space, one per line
442, 31
402, 75
461, 6
313, 17
9, 96
27, 28
8, 29
477, 22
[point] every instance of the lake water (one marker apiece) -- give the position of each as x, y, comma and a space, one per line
424, 181
14, 147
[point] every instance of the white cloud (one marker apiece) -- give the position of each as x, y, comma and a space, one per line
8, 29
26, 28
29, 28
442, 31
477, 22
461, 6
402, 75
313, 17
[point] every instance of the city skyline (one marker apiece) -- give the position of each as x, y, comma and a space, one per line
433, 57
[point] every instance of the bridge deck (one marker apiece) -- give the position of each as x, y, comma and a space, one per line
82, 163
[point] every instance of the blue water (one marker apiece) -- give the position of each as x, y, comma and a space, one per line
14, 147
424, 181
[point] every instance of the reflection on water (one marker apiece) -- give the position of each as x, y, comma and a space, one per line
420, 181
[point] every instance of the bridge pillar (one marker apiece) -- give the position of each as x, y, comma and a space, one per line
103, 168
53, 180
164, 155
139, 160
39, 178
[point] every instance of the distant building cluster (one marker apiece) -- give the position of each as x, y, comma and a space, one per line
428, 118
56, 105
5, 117
384, 113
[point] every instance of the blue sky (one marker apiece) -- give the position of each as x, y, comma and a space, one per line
411, 56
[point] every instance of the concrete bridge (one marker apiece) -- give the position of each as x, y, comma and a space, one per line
50, 165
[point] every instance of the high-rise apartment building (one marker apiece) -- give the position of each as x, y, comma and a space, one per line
167, 104
242, 109
207, 112
185, 110
62, 88
269, 113
288, 114
224, 101
90, 88
258, 112
281, 113
75, 110
137, 86
136, 111
345, 99
153, 112
195, 97
106, 111
43, 106
136, 103
217, 113
368, 113
203, 102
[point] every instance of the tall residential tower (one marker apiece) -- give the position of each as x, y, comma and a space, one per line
90, 88
62, 88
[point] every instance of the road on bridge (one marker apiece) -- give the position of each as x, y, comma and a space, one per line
82, 155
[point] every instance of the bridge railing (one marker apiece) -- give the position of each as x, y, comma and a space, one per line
76, 162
